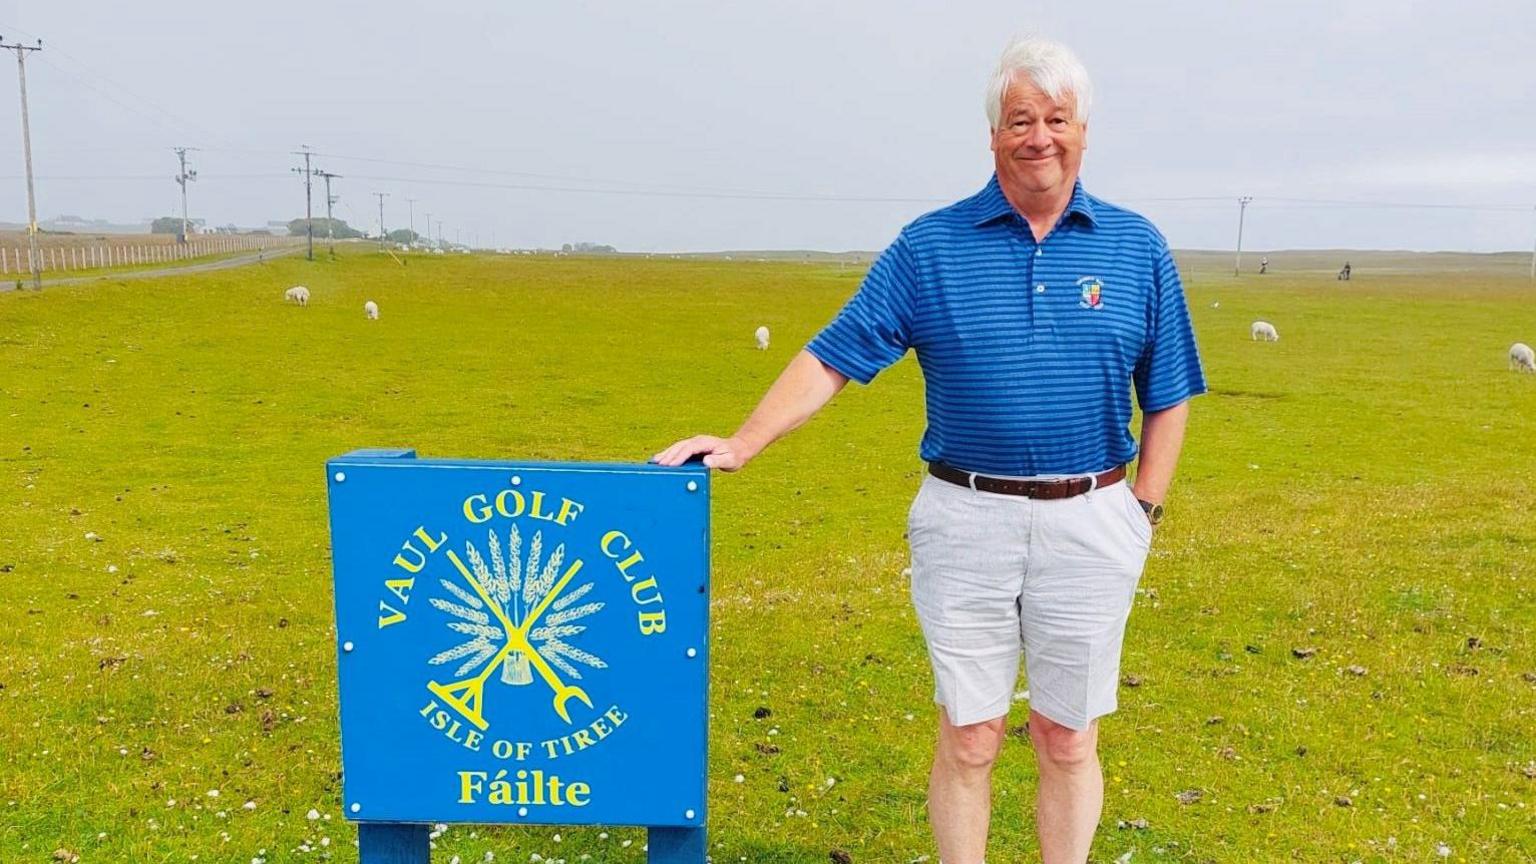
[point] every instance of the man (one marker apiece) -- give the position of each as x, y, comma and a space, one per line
1033, 308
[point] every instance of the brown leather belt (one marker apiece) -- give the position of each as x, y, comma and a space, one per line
1046, 489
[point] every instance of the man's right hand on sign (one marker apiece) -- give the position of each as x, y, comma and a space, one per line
725, 454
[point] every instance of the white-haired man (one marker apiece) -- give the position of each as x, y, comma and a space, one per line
1034, 310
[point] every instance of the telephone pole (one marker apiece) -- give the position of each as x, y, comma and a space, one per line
26, 149
382, 196
429, 229
309, 220
410, 206
181, 180
330, 224
1242, 207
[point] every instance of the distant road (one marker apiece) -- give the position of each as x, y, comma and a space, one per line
222, 264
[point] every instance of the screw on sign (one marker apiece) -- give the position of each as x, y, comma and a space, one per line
597, 624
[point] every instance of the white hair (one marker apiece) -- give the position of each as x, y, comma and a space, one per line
1051, 66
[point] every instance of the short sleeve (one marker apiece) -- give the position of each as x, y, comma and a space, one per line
1168, 371
874, 329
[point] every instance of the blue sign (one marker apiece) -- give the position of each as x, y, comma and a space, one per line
521, 642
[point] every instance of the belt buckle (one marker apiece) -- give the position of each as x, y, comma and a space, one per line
1093, 483
970, 479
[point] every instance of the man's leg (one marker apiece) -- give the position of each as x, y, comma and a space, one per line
960, 788
1071, 794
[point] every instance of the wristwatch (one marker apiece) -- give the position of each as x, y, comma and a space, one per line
1154, 511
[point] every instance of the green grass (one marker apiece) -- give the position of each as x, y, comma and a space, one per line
1363, 487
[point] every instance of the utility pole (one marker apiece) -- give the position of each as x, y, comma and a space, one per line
410, 205
439, 232
382, 196
26, 149
309, 219
330, 224
181, 180
429, 229
1533, 262
1242, 208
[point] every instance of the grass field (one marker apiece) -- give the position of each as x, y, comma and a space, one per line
1363, 488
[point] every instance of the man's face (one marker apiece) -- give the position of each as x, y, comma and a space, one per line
1039, 143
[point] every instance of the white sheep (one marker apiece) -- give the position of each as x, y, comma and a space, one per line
1264, 331
371, 309
297, 294
1522, 358
762, 338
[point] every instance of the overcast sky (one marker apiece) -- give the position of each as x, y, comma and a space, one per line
856, 116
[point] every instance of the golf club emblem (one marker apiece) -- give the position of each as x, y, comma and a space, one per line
1092, 288
517, 618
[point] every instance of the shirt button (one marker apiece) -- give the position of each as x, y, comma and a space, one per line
1039, 289
1039, 250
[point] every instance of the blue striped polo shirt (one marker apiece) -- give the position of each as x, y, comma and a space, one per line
1029, 350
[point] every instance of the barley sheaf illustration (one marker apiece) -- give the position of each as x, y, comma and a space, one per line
516, 590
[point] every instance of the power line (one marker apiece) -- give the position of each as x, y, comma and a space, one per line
309, 219
26, 148
330, 224
382, 196
181, 180
1242, 208
112, 80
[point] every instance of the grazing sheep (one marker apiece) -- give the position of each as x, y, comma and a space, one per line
371, 309
1264, 331
1522, 358
762, 338
298, 294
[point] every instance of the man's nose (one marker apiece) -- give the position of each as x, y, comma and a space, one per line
1037, 137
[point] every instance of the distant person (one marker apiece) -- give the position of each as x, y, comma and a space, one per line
1344, 272
1263, 265
1025, 537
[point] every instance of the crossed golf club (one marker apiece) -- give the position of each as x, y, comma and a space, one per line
517, 640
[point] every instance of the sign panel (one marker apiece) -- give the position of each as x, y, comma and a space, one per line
521, 642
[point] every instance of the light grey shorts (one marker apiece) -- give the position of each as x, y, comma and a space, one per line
996, 574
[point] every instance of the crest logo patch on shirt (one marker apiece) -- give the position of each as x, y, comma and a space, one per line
1093, 290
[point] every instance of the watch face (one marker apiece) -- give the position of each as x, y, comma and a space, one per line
1156, 514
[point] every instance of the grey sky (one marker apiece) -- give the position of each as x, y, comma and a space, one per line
1379, 101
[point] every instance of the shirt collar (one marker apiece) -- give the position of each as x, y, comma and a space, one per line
993, 205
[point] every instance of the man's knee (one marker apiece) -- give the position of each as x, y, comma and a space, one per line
1062, 747
974, 745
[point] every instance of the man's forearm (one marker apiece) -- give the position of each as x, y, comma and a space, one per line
804, 386
1162, 436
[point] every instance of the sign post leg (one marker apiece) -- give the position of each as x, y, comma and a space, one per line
675, 845
392, 843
